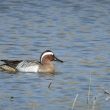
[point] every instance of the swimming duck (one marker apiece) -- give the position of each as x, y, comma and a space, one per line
45, 64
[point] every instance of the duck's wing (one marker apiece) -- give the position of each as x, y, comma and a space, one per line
28, 66
11, 63
27, 63
18, 65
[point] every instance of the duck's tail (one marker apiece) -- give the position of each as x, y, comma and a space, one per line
7, 68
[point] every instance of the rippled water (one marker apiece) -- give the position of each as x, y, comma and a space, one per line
78, 32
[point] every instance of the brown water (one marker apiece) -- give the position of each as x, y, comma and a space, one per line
78, 32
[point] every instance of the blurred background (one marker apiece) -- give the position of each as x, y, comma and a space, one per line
78, 32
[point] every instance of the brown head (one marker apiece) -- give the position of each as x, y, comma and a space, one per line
47, 57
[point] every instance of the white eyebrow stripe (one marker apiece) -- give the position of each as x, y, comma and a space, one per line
46, 53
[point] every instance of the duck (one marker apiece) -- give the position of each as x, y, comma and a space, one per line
45, 65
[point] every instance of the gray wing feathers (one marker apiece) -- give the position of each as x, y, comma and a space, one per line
27, 63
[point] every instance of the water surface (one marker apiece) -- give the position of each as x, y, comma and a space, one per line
78, 32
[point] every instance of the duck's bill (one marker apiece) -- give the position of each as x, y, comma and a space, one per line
56, 59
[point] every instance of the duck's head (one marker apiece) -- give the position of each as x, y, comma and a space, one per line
48, 56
